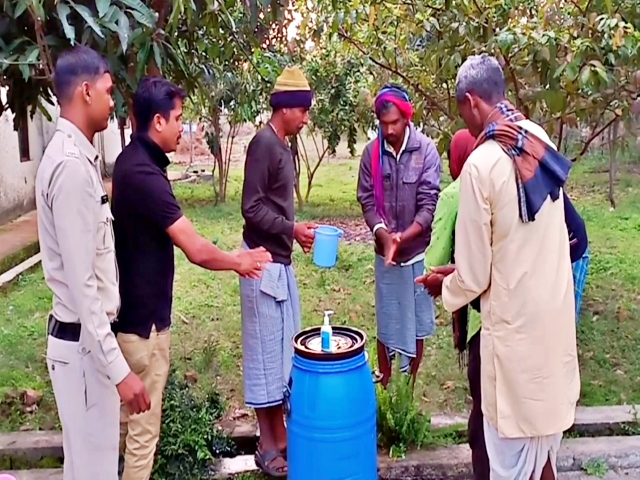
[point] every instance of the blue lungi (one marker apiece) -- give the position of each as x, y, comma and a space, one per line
270, 318
404, 310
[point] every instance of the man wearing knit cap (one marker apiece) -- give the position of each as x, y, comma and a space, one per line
398, 188
271, 305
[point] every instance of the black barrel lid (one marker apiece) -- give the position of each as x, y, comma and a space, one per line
346, 342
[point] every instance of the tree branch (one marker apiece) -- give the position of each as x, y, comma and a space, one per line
45, 54
560, 134
507, 64
594, 135
516, 87
418, 88
239, 43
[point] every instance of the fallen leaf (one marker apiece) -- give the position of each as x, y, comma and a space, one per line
448, 386
623, 314
239, 413
191, 377
31, 397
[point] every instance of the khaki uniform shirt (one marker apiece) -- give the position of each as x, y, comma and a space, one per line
76, 241
529, 374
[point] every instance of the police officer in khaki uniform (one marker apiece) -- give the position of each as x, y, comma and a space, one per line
88, 372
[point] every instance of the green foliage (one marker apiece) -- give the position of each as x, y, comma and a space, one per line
237, 87
596, 467
401, 424
137, 37
189, 440
34, 32
231, 78
341, 108
567, 63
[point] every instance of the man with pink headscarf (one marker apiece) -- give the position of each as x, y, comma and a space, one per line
398, 188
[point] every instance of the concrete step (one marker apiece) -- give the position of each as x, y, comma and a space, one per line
631, 474
18, 241
620, 454
12, 274
35, 445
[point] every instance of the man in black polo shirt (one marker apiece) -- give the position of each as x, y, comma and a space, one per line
148, 223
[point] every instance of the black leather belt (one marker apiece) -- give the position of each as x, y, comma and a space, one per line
69, 332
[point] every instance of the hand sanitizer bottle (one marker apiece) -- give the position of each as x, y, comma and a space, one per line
326, 332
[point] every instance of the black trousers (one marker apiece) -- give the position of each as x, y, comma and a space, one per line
479, 457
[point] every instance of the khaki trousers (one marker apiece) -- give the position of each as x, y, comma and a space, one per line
149, 359
88, 407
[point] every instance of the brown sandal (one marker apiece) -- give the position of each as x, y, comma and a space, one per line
265, 459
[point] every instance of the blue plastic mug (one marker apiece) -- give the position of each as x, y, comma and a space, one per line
325, 246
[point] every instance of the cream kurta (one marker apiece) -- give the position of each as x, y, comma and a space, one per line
530, 378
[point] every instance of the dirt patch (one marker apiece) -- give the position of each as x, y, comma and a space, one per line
201, 155
355, 229
193, 148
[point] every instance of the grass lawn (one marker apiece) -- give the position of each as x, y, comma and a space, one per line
207, 312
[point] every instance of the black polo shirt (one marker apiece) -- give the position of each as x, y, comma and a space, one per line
143, 208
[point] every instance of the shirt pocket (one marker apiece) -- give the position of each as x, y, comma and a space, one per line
104, 234
413, 169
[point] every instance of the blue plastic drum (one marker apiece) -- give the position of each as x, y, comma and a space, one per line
331, 425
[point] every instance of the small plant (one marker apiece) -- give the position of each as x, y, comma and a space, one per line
596, 467
189, 439
401, 424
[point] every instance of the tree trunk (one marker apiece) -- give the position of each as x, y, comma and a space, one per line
212, 136
218, 157
295, 154
121, 124
560, 135
613, 150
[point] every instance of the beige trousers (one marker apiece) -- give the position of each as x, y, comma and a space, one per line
149, 359
88, 407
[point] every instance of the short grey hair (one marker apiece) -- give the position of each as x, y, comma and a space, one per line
482, 76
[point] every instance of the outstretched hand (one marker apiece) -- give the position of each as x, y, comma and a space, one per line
432, 280
252, 262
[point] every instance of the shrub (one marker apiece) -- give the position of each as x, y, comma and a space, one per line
401, 424
189, 439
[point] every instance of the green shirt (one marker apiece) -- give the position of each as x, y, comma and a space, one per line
441, 247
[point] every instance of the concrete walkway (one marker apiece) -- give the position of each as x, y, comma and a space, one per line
19, 238
15, 237
631, 474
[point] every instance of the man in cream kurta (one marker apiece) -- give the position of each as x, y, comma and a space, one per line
522, 272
